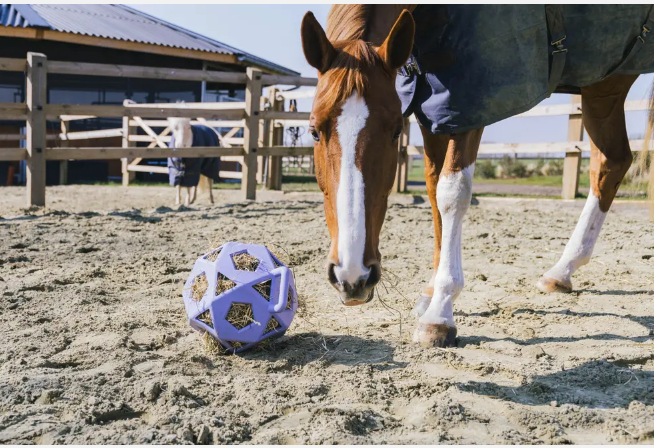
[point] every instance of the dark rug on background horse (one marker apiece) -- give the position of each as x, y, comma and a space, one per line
474, 65
186, 171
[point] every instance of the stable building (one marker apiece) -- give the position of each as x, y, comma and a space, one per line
109, 34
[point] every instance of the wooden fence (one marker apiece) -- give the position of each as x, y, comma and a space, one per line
257, 140
572, 148
263, 120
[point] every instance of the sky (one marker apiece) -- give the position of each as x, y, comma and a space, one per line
273, 33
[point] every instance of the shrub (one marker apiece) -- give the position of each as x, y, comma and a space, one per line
513, 167
486, 169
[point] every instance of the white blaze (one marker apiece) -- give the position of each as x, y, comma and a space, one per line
453, 198
580, 245
350, 193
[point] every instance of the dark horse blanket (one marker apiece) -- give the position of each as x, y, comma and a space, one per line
474, 65
186, 171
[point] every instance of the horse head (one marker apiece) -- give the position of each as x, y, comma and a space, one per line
356, 121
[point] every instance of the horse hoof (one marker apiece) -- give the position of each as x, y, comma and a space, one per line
435, 335
546, 284
421, 306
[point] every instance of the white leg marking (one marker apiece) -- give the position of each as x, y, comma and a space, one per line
453, 198
581, 244
350, 193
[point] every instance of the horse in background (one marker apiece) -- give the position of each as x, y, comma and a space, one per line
374, 67
192, 173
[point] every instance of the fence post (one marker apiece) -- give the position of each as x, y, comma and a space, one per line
275, 138
63, 164
572, 162
128, 130
251, 130
401, 179
37, 73
261, 141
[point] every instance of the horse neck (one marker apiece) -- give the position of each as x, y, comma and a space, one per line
384, 17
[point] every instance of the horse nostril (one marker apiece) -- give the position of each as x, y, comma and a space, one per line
374, 274
332, 278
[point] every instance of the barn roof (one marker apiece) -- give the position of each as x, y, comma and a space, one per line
122, 23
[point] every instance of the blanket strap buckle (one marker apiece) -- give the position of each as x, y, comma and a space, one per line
410, 67
558, 45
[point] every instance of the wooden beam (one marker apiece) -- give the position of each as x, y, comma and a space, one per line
282, 115
13, 111
12, 65
139, 47
211, 106
211, 123
128, 130
14, 31
274, 138
287, 151
108, 153
151, 133
36, 88
63, 164
134, 71
251, 130
288, 80
231, 175
13, 154
149, 169
296, 94
572, 164
54, 111
401, 177
85, 135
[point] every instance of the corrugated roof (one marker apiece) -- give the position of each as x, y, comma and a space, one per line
121, 23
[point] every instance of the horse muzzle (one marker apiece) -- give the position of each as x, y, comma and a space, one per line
359, 292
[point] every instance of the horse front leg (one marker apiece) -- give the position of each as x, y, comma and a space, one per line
435, 147
610, 159
177, 194
436, 327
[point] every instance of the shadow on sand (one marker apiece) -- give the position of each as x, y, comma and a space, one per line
595, 384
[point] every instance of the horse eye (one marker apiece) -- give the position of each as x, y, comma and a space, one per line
314, 134
397, 134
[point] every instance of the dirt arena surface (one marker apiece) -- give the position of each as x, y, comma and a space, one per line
95, 347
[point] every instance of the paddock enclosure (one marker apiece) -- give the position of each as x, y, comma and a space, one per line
96, 348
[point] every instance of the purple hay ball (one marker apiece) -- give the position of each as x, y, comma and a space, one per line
261, 317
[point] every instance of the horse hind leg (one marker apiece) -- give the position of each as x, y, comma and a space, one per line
610, 159
209, 187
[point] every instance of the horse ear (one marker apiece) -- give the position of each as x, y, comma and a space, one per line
396, 49
318, 50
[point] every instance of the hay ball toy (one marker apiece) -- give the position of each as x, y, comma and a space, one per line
240, 294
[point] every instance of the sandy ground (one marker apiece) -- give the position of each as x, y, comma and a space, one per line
95, 348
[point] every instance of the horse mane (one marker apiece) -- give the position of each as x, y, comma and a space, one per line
346, 30
348, 22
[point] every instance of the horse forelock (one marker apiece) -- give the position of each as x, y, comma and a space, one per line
348, 73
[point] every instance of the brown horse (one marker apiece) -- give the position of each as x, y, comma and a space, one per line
356, 121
